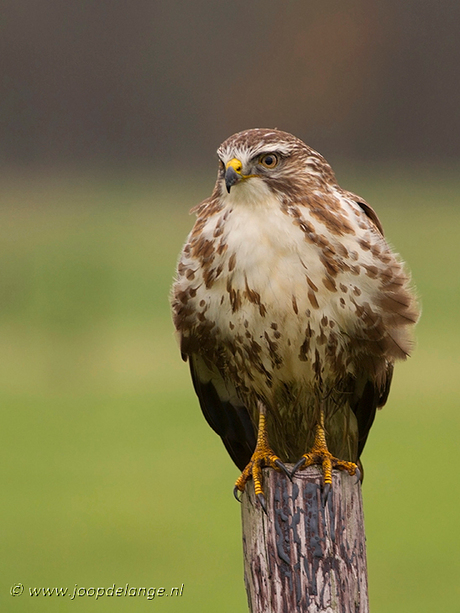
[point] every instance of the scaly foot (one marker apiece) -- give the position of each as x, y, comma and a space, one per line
320, 454
262, 457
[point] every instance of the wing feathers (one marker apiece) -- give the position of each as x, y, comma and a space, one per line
373, 396
223, 412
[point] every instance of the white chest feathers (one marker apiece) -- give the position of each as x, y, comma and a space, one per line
268, 292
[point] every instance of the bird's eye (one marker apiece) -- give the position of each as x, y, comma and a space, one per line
269, 160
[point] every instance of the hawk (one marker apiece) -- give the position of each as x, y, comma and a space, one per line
291, 309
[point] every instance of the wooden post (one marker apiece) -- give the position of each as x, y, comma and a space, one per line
303, 557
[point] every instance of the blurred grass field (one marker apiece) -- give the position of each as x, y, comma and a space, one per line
109, 472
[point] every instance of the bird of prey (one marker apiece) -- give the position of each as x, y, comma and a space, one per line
291, 309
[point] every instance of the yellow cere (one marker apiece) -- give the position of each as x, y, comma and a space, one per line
235, 164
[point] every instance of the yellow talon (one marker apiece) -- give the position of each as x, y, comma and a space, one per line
320, 454
262, 457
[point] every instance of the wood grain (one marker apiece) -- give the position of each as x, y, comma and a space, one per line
304, 556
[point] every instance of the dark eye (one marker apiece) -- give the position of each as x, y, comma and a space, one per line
269, 160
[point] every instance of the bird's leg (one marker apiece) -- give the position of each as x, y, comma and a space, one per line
320, 454
262, 457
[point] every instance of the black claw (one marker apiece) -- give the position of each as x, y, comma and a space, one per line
235, 493
263, 503
325, 494
358, 476
297, 466
284, 469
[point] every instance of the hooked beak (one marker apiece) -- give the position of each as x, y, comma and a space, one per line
233, 173
231, 177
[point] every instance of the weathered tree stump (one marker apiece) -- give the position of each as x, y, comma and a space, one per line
302, 556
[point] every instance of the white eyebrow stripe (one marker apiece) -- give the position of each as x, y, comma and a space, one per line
249, 153
273, 148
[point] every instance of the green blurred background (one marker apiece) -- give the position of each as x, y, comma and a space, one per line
110, 117
110, 473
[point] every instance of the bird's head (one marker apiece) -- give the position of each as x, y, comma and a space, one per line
235, 171
269, 156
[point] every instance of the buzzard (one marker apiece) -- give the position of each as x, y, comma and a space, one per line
291, 309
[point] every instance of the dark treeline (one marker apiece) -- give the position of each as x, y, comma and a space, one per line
166, 81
